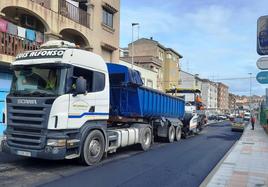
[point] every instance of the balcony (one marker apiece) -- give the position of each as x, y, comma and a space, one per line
144, 60
12, 45
68, 10
74, 13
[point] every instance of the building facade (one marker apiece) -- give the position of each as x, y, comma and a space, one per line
223, 97
189, 81
91, 24
209, 95
244, 102
232, 102
152, 55
149, 77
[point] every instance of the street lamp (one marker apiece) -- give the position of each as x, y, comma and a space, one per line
250, 74
132, 48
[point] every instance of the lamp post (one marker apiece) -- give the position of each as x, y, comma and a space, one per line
132, 44
250, 84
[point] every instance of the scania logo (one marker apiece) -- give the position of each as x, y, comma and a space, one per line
26, 101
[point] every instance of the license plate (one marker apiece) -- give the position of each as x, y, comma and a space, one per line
24, 153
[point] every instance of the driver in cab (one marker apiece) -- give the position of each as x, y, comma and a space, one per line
52, 79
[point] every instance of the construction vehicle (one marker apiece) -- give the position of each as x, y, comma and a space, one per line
195, 117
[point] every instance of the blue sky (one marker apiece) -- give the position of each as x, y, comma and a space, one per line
216, 38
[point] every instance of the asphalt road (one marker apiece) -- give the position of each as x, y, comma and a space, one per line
184, 163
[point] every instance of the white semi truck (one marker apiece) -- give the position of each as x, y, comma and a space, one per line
68, 103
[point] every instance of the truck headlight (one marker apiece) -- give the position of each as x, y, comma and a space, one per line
56, 142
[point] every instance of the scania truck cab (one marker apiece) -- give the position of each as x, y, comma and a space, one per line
49, 101
59, 105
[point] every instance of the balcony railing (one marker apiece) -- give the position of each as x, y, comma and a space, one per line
74, 13
12, 45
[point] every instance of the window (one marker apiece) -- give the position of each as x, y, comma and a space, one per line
98, 81
107, 18
95, 80
161, 55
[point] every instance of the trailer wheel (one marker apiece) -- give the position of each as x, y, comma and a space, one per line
146, 138
178, 133
171, 134
93, 148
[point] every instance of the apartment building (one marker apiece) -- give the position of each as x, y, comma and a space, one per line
189, 81
209, 92
232, 102
152, 55
91, 24
245, 101
223, 97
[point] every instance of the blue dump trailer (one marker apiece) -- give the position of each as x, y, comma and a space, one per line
133, 104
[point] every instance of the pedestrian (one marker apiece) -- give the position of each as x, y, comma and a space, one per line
252, 122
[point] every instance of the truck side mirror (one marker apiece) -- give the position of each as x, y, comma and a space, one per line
80, 86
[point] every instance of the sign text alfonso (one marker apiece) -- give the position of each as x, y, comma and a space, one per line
40, 54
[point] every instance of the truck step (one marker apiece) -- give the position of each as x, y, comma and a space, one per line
112, 138
72, 156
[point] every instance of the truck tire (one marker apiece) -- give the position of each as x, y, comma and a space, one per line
93, 148
171, 134
178, 133
146, 138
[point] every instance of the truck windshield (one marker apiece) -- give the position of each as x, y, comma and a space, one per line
38, 80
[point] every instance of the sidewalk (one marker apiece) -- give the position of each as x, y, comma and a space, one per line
247, 163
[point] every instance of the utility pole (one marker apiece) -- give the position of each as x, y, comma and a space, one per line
132, 44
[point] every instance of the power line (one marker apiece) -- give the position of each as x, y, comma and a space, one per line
220, 79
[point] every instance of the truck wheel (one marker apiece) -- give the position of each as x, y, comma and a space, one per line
178, 133
171, 134
146, 138
93, 148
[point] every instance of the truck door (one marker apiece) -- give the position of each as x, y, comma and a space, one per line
90, 106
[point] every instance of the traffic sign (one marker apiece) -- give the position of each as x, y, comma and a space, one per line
262, 35
262, 63
262, 77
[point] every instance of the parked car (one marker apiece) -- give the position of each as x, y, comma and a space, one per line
222, 117
247, 116
212, 117
238, 124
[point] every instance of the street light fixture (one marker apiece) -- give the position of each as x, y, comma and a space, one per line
132, 48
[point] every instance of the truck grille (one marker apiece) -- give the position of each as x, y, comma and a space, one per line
27, 123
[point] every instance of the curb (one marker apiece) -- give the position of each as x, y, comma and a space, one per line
216, 168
